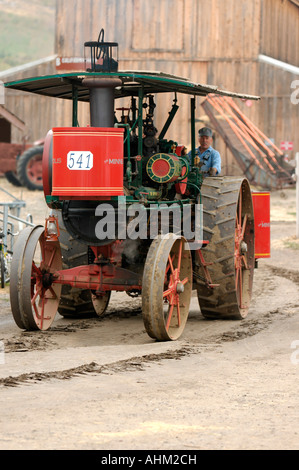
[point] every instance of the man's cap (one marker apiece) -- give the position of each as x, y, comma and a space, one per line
205, 131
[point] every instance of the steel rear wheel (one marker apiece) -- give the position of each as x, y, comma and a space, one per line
229, 227
167, 287
244, 253
34, 298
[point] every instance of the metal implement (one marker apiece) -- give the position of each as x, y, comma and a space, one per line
10, 212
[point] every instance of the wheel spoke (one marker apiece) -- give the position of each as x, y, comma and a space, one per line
42, 312
244, 226
36, 269
245, 262
180, 257
169, 317
178, 311
34, 297
167, 292
53, 293
240, 206
35, 309
52, 258
237, 276
170, 265
184, 281
241, 288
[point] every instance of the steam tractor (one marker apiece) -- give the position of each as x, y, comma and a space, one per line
109, 187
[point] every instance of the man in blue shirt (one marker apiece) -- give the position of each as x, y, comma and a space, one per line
205, 155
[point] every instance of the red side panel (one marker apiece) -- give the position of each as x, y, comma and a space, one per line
87, 161
261, 208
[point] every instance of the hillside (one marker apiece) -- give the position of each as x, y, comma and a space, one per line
27, 31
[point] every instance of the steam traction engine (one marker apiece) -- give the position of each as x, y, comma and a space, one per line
95, 181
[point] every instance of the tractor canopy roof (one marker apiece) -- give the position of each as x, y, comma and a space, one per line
64, 85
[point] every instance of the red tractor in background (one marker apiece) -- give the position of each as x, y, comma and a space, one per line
96, 179
27, 170
21, 163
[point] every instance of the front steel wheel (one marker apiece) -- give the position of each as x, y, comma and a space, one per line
34, 296
167, 287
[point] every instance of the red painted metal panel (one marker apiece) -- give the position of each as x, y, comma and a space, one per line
87, 161
261, 208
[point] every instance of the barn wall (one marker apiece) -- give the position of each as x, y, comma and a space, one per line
278, 116
182, 37
280, 30
38, 113
164, 29
209, 41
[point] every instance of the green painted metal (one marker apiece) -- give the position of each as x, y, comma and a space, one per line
192, 130
170, 118
75, 106
140, 130
60, 85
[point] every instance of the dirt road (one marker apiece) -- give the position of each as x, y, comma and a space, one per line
104, 384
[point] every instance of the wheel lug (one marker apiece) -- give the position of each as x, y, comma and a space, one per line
180, 287
47, 280
243, 247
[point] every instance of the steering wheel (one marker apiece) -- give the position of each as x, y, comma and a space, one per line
100, 49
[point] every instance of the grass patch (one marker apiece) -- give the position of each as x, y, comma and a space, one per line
292, 243
25, 37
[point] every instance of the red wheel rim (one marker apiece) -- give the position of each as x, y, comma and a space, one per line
167, 287
173, 287
34, 169
45, 296
243, 265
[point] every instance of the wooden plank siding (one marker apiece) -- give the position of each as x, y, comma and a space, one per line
39, 113
278, 117
164, 29
209, 41
280, 30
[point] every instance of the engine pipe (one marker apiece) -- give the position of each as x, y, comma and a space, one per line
101, 91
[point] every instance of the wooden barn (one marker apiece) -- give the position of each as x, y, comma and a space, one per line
38, 113
247, 46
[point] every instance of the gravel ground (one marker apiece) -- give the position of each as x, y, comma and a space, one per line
103, 384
